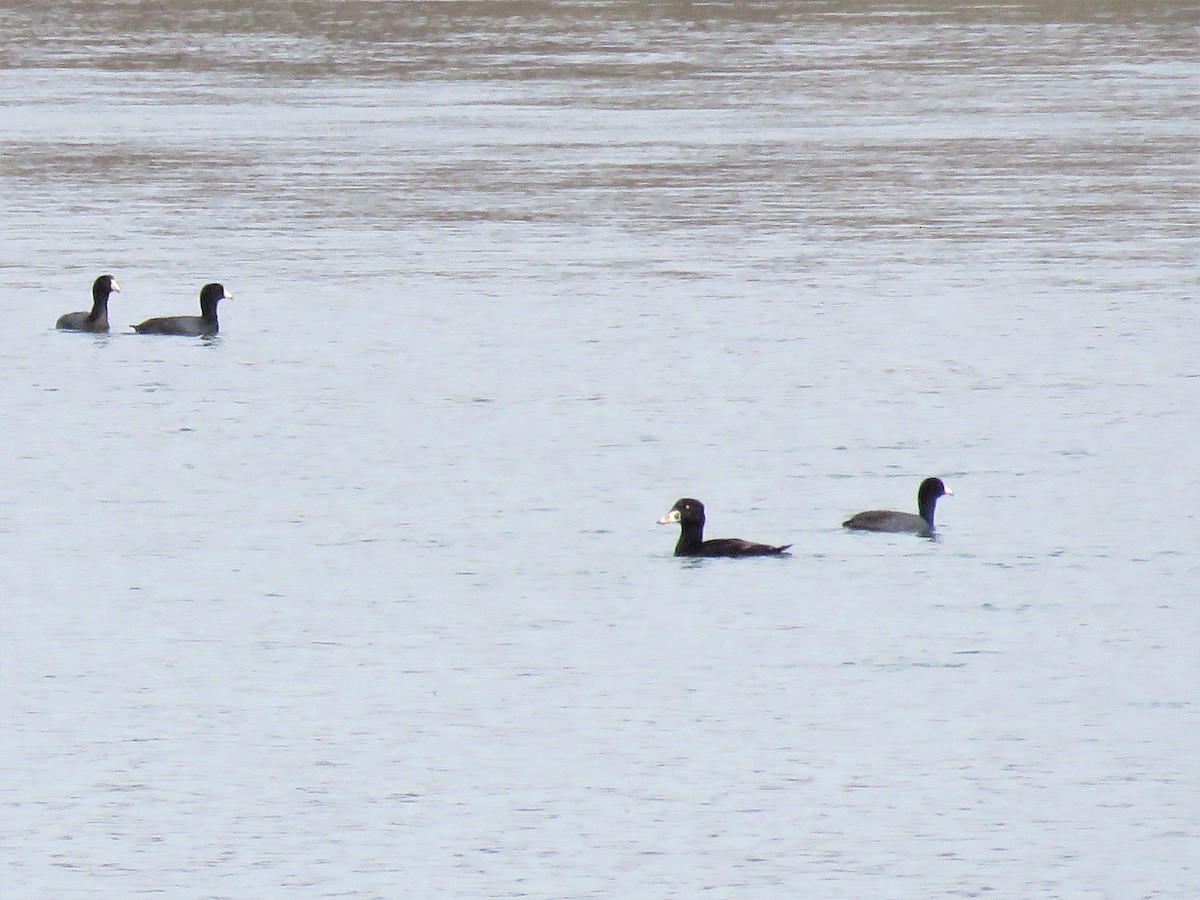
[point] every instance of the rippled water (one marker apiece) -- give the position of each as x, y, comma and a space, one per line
364, 597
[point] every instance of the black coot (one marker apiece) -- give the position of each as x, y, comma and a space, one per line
689, 514
203, 325
97, 320
902, 522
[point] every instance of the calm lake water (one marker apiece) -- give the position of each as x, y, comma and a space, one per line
364, 598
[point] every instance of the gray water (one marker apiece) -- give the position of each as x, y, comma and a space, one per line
364, 597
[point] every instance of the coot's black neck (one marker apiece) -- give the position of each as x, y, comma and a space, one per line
927, 506
208, 310
99, 311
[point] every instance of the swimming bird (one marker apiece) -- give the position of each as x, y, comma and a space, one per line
689, 514
902, 522
204, 325
96, 320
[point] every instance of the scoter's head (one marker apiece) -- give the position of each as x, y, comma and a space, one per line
686, 511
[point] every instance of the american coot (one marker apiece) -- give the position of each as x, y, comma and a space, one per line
690, 516
96, 320
204, 324
891, 520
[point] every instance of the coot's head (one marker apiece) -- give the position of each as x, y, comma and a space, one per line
105, 285
931, 489
686, 511
927, 497
211, 293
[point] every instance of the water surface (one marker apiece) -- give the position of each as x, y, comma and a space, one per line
364, 597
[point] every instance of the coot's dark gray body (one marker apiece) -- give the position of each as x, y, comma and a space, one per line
901, 522
689, 514
95, 321
203, 325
